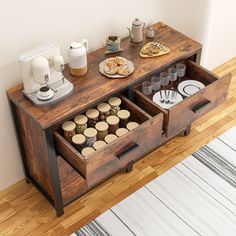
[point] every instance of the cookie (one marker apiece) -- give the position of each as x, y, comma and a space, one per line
120, 61
110, 67
123, 70
116, 65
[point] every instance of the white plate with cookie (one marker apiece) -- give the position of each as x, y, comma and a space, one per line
116, 67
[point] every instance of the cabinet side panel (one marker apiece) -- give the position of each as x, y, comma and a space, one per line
33, 138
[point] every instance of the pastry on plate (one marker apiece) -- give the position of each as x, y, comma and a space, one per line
116, 65
123, 70
110, 67
120, 61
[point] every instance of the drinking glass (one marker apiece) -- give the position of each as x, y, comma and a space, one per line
181, 69
173, 75
147, 88
164, 77
156, 83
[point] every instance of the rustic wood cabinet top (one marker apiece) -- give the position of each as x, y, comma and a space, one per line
94, 86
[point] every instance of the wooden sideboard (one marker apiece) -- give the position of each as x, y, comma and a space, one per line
58, 170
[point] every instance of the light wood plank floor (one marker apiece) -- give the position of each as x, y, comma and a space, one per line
24, 211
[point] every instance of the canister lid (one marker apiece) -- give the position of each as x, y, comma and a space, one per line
101, 126
99, 144
132, 125
68, 126
114, 101
110, 137
123, 114
121, 131
81, 119
104, 107
113, 120
90, 132
78, 139
92, 113
87, 151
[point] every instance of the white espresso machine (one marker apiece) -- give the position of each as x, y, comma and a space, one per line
41, 68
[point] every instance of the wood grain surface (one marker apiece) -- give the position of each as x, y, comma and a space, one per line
191, 108
104, 163
94, 86
34, 142
24, 211
72, 183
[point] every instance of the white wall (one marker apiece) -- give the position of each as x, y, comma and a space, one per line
190, 17
221, 45
210, 22
28, 23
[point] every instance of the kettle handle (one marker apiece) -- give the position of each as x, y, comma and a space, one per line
85, 43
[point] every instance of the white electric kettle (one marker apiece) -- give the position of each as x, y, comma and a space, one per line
77, 55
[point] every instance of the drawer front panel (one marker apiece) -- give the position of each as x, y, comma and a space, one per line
129, 147
183, 114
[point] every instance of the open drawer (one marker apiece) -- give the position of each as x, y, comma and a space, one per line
117, 155
181, 115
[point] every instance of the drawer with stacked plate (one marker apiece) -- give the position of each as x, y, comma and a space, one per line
108, 138
184, 100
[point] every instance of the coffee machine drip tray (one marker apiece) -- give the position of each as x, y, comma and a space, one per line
62, 89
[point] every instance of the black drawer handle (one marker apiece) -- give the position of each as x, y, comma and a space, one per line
200, 106
128, 150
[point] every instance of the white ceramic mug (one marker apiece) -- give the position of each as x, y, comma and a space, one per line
44, 91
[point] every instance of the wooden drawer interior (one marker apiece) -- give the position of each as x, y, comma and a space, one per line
106, 158
184, 113
146, 104
193, 72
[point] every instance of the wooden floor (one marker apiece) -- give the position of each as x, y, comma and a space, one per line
24, 211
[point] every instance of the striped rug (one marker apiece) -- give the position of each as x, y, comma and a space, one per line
196, 197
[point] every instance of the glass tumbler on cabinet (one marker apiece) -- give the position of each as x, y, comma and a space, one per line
173, 75
147, 88
181, 70
156, 83
164, 77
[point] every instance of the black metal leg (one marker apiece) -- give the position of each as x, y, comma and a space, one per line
52, 160
187, 131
